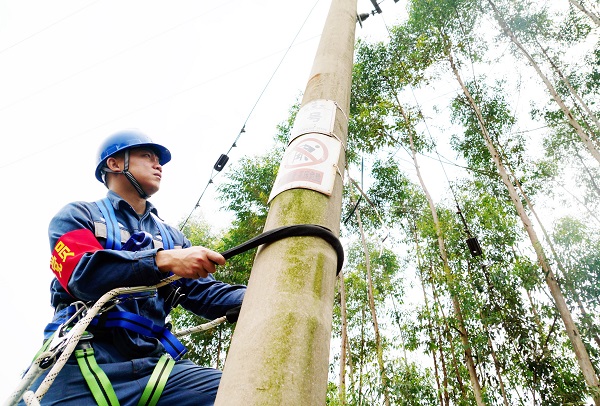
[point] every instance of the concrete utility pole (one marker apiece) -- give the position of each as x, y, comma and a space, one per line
280, 349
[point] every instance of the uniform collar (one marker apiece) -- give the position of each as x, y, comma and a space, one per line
118, 202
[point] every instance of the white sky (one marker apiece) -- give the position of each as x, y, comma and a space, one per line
185, 72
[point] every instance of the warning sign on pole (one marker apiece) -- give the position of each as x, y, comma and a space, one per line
310, 162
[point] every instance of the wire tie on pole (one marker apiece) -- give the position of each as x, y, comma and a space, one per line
340, 109
339, 172
334, 135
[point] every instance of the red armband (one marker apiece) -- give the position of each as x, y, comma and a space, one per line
68, 251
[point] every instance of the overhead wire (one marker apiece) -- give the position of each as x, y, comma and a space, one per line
119, 53
224, 158
146, 106
353, 182
433, 141
48, 27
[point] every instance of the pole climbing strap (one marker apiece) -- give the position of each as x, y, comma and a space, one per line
297, 230
96, 379
157, 382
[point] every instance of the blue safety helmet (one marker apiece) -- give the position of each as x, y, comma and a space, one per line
124, 140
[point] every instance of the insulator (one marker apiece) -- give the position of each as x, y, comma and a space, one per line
474, 247
221, 162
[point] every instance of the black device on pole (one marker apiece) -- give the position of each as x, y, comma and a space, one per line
377, 8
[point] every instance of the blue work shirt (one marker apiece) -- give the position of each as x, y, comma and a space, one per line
87, 271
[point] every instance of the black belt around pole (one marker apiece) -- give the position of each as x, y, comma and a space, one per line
297, 230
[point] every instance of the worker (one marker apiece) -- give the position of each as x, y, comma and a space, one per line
120, 241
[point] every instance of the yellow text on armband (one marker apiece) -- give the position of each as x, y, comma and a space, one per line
55, 266
63, 251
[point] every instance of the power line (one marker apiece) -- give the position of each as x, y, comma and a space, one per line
93, 65
48, 27
173, 95
224, 158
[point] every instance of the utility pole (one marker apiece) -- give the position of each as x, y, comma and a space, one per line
280, 349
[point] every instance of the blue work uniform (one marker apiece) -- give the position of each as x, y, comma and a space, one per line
85, 270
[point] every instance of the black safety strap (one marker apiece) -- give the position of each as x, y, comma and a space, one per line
297, 230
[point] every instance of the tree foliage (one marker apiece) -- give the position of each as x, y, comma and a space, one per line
399, 119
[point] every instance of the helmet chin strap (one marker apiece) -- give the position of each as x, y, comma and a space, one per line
129, 177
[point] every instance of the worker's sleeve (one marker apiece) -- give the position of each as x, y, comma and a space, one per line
83, 267
207, 297
211, 298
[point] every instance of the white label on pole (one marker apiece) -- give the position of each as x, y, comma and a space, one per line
309, 162
318, 116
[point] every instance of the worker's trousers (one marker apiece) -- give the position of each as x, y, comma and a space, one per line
188, 384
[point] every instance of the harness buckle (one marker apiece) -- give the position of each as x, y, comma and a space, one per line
85, 342
62, 333
174, 296
151, 292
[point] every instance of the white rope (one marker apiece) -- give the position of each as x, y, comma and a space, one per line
77, 331
32, 374
202, 327
72, 339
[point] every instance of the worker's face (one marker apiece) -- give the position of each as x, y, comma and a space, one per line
144, 166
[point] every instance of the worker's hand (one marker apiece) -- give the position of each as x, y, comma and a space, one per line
192, 262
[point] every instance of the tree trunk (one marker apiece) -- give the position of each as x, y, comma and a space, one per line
362, 356
497, 366
378, 345
559, 263
442, 390
464, 336
342, 384
446, 332
580, 352
349, 360
591, 15
486, 329
570, 87
591, 177
587, 141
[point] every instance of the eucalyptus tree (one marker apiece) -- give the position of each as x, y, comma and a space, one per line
373, 310
588, 10
577, 247
542, 23
547, 38
381, 72
366, 349
475, 112
405, 206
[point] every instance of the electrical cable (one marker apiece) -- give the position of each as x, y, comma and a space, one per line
47, 27
119, 53
459, 212
224, 158
4, 165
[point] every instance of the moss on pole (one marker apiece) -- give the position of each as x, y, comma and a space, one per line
280, 349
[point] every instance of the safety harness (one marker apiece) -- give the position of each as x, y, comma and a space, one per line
59, 337
96, 379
